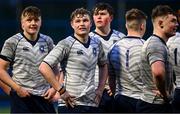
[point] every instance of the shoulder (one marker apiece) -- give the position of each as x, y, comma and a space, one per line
152, 41
174, 41
120, 34
95, 39
154, 44
15, 38
67, 42
45, 37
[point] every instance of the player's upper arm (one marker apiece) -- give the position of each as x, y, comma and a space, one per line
4, 64
9, 48
158, 68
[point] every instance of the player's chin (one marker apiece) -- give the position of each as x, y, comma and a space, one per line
84, 32
32, 32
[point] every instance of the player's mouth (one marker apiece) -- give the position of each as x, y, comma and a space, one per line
33, 28
82, 29
99, 21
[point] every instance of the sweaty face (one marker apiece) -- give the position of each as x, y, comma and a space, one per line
102, 18
81, 25
31, 25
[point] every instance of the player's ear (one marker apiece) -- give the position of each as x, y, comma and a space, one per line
111, 17
142, 26
72, 25
22, 24
160, 23
126, 25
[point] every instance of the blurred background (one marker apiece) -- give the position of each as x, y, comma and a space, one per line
55, 19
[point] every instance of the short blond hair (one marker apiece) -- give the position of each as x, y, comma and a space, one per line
31, 11
134, 18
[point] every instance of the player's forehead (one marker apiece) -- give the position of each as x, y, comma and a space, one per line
97, 11
81, 16
31, 17
31, 14
171, 17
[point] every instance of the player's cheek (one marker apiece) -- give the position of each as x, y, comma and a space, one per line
106, 21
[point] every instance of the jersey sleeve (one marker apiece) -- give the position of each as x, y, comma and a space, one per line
8, 50
156, 53
57, 54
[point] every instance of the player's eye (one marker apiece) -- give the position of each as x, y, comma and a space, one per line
29, 20
86, 20
36, 19
77, 21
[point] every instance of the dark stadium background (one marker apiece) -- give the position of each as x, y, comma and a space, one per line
55, 16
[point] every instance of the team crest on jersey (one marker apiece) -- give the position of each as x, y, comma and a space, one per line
41, 49
80, 52
94, 51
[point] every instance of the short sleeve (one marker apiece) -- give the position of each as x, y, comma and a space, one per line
156, 53
8, 50
57, 54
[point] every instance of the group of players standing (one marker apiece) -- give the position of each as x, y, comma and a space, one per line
99, 71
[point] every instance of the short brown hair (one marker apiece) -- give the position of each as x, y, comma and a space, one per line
81, 12
161, 10
31, 11
135, 17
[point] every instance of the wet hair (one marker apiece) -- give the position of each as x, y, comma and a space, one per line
31, 11
79, 12
103, 6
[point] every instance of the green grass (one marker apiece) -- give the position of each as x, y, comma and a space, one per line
4, 110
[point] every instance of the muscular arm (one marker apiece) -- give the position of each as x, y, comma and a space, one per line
111, 78
158, 72
103, 75
4, 76
5, 88
49, 75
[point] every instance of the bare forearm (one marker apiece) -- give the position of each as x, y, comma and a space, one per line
112, 83
48, 74
160, 84
5, 87
159, 73
103, 75
7, 81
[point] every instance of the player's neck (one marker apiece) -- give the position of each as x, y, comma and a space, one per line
82, 38
30, 37
160, 34
103, 31
134, 33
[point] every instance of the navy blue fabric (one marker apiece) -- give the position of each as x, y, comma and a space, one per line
32, 104
77, 109
176, 101
153, 108
125, 104
107, 103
